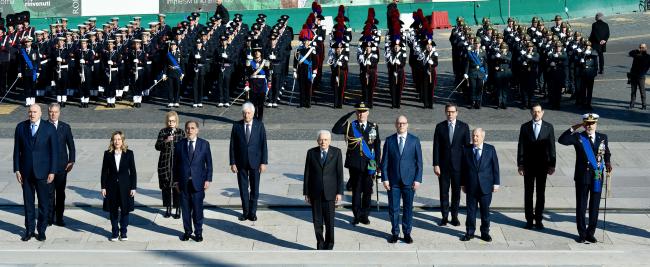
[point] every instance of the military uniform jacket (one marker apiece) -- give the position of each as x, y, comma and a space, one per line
24, 66
354, 157
171, 70
556, 61
199, 60
502, 63
529, 61
589, 64
367, 62
472, 68
89, 60
396, 60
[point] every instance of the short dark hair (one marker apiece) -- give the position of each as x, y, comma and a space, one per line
451, 104
196, 123
537, 104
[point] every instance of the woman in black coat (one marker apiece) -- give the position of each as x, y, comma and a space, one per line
118, 184
167, 137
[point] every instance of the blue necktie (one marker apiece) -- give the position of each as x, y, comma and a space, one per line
477, 154
323, 157
536, 130
33, 129
401, 144
191, 148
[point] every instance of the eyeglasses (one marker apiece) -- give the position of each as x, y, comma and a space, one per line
401, 123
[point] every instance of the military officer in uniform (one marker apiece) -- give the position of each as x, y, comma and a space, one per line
86, 58
364, 151
28, 69
592, 159
503, 74
556, 59
475, 72
137, 59
338, 61
111, 59
304, 69
588, 65
258, 79
396, 57
173, 74
529, 61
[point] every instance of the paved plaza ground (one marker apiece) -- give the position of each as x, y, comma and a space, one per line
283, 235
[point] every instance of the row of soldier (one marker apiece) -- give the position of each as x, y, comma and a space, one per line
552, 61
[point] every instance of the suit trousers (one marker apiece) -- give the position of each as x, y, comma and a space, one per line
532, 179
32, 188
119, 218
192, 209
57, 197
406, 193
637, 84
586, 196
445, 180
483, 201
361, 193
322, 210
249, 178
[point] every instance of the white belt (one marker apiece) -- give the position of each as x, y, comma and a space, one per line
113, 69
258, 76
97, 61
148, 62
139, 68
199, 65
44, 61
63, 66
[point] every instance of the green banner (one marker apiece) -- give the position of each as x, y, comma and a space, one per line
42, 8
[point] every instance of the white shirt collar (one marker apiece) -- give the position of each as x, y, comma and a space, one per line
192, 140
402, 135
480, 147
538, 122
37, 123
452, 122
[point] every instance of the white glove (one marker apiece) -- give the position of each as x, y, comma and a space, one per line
20, 75
525, 63
53, 83
59, 59
182, 76
38, 74
249, 57
434, 49
430, 62
224, 55
574, 46
197, 56
517, 39
110, 62
164, 77
82, 61
582, 60
539, 33
397, 62
466, 76
339, 63
562, 35
529, 56
555, 55
534, 40
588, 52
272, 56
295, 75
435, 54
246, 89
462, 38
579, 50
136, 61
498, 55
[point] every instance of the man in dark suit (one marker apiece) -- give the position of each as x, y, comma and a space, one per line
401, 166
192, 177
248, 159
323, 187
480, 178
598, 38
449, 139
65, 162
35, 162
363, 153
536, 159
592, 158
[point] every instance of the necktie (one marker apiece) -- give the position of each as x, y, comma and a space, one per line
401, 144
323, 157
536, 130
33, 129
477, 154
248, 132
451, 132
363, 127
191, 148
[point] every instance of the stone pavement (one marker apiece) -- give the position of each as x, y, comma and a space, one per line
281, 186
285, 237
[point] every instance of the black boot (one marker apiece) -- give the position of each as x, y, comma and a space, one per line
168, 212
177, 214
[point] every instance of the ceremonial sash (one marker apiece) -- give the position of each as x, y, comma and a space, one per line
306, 61
598, 168
174, 62
372, 165
28, 61
260, 70
474, 57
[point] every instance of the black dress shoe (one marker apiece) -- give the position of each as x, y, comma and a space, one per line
252, 218
591, 239
198, 238
529, 225
60, 223
41, 237
408, 239
455, 222
486, 238
466, 237
167, 214
443, 222
580, 239
539, 226
355, 221
242, 218
186, 236
393, 239
364, 220
27, 237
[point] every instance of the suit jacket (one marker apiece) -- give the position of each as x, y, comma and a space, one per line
36, 154
481, 176
584, 173
66, 146
536, 153
406, 167
448, 155
198, 167
599, 31
323, 180
252, 153
118, 183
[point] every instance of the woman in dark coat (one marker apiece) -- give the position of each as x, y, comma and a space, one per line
118, 184
167, 137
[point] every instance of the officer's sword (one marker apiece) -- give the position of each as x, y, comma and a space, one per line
233, 102
156, 83
608, 180
9, 90
455, 89
293, 87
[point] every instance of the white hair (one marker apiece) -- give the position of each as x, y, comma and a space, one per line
324, 132
480, 130
249, 106
599, 16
